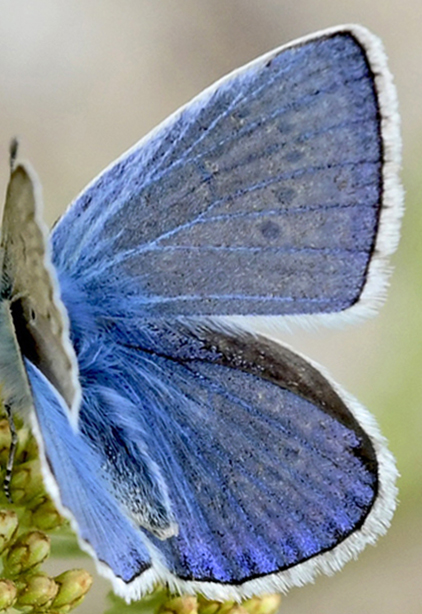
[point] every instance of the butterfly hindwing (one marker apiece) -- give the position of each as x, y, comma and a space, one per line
265, 464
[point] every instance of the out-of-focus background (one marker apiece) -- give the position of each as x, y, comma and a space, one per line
82, 81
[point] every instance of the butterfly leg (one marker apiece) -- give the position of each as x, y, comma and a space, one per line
12, 453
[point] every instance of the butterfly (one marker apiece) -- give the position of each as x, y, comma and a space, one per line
184, 447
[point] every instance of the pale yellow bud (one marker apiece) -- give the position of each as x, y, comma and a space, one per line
29, 550
8, 592
39, 591
73, 586
26, 481
8, 527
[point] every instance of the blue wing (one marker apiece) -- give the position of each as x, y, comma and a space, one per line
265, 466
83, 492
263, 196
223, 459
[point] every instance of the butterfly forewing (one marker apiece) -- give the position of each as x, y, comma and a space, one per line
262, 196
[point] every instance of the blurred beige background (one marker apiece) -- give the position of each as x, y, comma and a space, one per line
82, 80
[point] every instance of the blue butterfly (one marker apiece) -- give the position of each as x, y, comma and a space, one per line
185, 447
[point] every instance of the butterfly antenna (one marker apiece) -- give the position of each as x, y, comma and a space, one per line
13, 153
12, 453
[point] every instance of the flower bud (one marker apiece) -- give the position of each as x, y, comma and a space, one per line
206, 606
180, 605
266, 604
26, 481
29, 550
73, 586
27, 448
8, 527
44, 515
5, 440
8, 592
39, 591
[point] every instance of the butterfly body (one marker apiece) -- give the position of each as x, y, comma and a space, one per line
184, 447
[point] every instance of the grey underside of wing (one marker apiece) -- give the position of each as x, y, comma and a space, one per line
263, 196
30, 287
